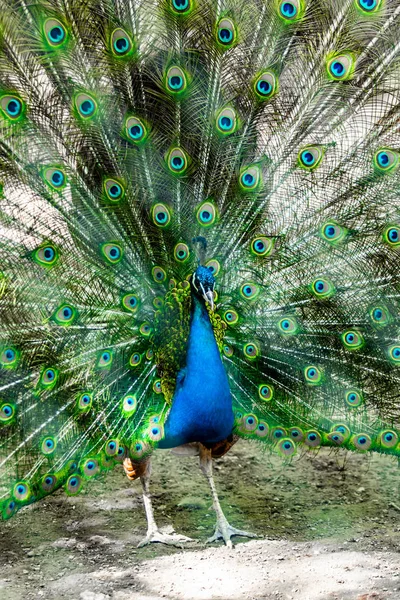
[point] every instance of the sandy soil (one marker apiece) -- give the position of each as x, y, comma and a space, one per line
329, 529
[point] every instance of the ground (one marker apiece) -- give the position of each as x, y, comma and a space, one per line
329, 527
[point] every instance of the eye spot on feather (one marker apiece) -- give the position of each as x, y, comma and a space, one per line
278, 433
9, 358
288, 326
181, 252
391, 236
226, 33
84, 402
310, 157
46, 255
368, 6
155, 433
55, 33
48, 446
336, 438
214, 266
49, 377
262, 246
250, 178
157, 386
250, 422
121, 43
111, 447
90, 468
177, 161
249, 291
114, 190
296, 434
342, 429
74, 485
353, 398
159, 275
262, 429
286, 447
105, 359
352, 339
265, 86
386, 160
227, 121
394, 354
112, 252
138, 450
21, 492
130, 302
12, 107
362, 442
388, 438
227, 350
251, 350
322, 288
129, 405
135, 359
312, 438
341, 67
206, 214
313, 375
333, 233
7, 413
85, 105
231, 317
181, 6
161, 215
266, 392
290, 11
48, 483
176, 81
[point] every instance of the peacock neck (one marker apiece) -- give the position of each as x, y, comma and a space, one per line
202, 404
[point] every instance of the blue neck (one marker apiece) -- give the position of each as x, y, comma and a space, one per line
202, 404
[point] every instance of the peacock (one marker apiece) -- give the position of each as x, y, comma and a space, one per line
199, 236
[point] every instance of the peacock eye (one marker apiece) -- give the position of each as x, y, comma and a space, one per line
368, 6
55, 32
105, 359
176, 80
266, 85
336, 438
46, 255
112, 252
250, 178
86, 105
8, 357
342, 429
114, 190
296, 434
177, 161
394, 354
65, 315
227, 350
206, 214
262, 246
278, 433
135, 359
155, 433
227, 121
249, 291
130, 302
353, 340
251, 350
48, 483
288, 326
111, 447
146, 329
135, 130
290, 11
312, 439
214, 266
262, 430
74, 485
12, 107
49, 377
266, 392
313, 375
286, 447
138, 449
322, 288
340, 67
158, 302
161, 215
310, 157
388, 438
386, 160
129, 405
250, 422
48, 446
121, 43
231, 317
21, 491
159, 275
353, 398
333, 233
84, 401
181, 6
55, 177
90, 468
7, 413
379, 315
362, 441
391, 236
226, 33
157, 386
181, 252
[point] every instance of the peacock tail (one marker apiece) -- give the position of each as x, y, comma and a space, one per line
130, 128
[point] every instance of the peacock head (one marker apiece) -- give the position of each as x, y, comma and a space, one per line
203, 284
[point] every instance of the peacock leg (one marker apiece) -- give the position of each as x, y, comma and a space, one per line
154, 535
223, 530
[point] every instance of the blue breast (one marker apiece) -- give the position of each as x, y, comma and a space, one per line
202, 404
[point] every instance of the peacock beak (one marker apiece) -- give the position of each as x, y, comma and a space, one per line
208, 296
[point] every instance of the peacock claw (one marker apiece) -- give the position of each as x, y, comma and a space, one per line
170, 539
226, 532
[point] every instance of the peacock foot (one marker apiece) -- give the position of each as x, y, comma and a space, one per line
225, 531
155, 536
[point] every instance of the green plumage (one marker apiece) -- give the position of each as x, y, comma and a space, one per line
128, 128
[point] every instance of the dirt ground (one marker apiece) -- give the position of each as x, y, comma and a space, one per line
329, 529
